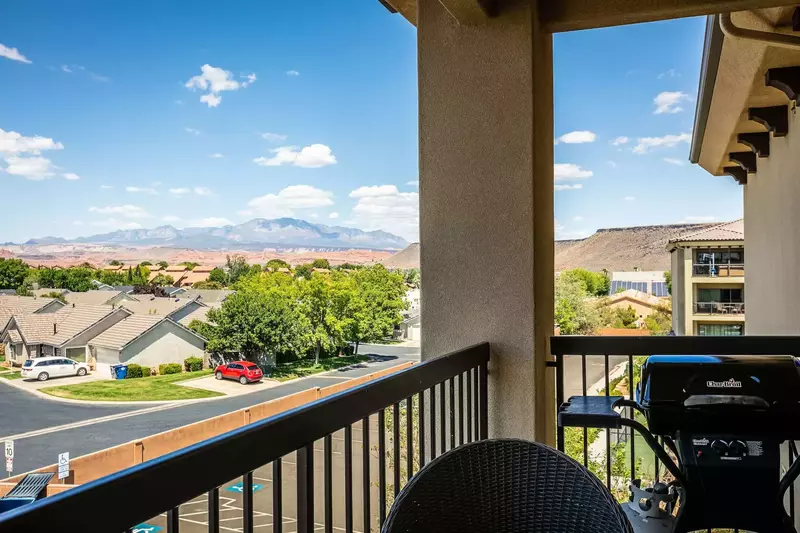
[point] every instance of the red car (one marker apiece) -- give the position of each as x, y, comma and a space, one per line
242, 371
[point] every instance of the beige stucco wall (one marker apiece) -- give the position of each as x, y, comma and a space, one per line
772, 227
486, 204
642, 310
166, 343
678, 291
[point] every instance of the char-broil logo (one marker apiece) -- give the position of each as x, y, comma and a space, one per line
730, 384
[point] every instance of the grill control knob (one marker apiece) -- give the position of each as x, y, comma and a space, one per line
719, 447
737, 448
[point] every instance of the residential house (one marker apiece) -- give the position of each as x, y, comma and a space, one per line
708, 278
201, 314
65, 332
196, 275
19, 305
174, 308
148, 340
100, 286
649, 282
642, 303
176, 272
210, 297
112, 268
98, 298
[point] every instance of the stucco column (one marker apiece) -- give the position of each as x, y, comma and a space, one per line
486, 204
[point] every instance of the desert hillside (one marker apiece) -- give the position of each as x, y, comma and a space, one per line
621, 248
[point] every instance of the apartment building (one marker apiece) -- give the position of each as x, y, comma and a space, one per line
708, 281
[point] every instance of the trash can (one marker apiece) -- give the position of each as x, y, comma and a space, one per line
119, 371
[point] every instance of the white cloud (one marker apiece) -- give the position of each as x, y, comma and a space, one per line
211, 222
245, 212
563, 234
12, 142
577, 137
559, 187
612, 164
112, 224
65, 68
127, 211
273, 137
314, 216
674, 161
70, 176
292, 73
620, 140
170, 218
288, 200
203, 191
216, 156
179, 102
143, 190
413, 183
578, 219
192, 131
314, 156
32, 168
106, 187
250, 79
385, 207
333, 215
669, 102
671, 73
13, 54
215, 80
570, 171
177, 191
645, 144
630, 198
699, 219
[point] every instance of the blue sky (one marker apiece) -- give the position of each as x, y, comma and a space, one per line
137, 114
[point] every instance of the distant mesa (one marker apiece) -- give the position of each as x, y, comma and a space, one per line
255, 234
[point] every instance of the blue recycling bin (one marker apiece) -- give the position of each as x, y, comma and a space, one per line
119, 371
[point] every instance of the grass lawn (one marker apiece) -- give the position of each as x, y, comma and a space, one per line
138, 389
306, 367
10, 375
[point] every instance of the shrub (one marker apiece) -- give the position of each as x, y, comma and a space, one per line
134, 371
146, 371
170, 368
193, 364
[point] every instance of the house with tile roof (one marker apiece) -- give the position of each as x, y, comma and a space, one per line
147, 340
173, 308
65, 332
105, 297
18, 305
708, 280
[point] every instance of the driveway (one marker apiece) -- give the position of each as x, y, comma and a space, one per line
35, 384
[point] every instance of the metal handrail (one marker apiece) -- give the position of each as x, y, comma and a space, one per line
698, 268
667, 345
718, 308
121, 500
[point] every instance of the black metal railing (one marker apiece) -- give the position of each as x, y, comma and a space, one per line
719, 308
401, 408
732, 270
588, 365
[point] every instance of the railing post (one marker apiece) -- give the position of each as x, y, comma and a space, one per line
213, 511
559, 399
305, 489
484, 401
247, 503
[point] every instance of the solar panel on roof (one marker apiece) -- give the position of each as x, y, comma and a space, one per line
660, 289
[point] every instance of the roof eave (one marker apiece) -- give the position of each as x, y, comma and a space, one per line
712, 49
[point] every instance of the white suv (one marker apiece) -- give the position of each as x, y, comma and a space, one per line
44, 368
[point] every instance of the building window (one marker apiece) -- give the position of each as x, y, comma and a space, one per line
720, 330
722, 262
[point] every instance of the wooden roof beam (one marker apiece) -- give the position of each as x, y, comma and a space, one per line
570, 15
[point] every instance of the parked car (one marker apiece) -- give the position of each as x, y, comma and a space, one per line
44, 368
243, 371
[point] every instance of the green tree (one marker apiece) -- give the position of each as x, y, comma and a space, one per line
668, 279
78, 280
212, 285
110, 277
321, 263
12, 273
237, 267
275, 264
304, 271
376, 305
163, 280
55, 295
659, 322
256, 322
190, 265
163, 264
145, 264
114, 263
218, 276
413, 277
596, 283
574, 315
625, 318
326, 301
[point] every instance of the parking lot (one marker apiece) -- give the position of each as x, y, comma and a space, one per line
194, 514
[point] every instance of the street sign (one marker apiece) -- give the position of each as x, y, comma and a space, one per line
63, 465
9, 465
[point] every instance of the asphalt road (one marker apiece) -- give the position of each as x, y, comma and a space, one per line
19, 414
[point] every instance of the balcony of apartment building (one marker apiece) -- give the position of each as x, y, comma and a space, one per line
718, 264
490, 368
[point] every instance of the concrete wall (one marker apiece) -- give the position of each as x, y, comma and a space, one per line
486, 204
771, 222
678, 292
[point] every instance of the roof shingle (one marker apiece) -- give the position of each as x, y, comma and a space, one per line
125, 331
727, 231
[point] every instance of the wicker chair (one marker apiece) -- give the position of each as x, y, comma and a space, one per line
505, 486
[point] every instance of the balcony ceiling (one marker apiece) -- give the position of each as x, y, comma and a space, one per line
740, 85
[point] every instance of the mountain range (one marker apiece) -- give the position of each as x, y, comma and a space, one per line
255, 234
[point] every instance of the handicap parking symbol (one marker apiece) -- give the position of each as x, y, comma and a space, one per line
239, 487
146, 528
